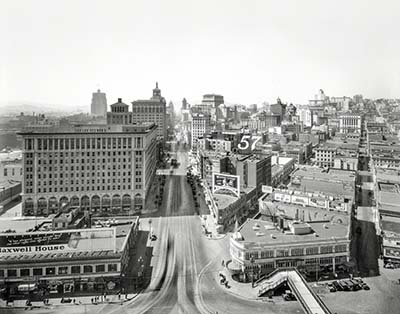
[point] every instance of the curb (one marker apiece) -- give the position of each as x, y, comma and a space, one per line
52, 305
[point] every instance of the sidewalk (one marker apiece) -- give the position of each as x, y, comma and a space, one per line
208, 224
84, 300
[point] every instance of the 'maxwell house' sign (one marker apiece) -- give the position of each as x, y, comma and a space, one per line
31, 243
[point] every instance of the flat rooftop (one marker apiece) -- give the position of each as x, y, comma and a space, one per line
389, 197
388, 175
390, 225
322, 174
77, 244
268, 234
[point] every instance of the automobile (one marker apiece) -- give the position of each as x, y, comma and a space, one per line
223, 281
365, 286
153, 237
343, 285
332, 287
289, 296
388, 265
356, 285
337, 286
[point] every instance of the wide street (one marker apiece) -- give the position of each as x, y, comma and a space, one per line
184, 265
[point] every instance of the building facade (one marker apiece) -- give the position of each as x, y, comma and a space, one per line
260, 245
350, 123
200, 127
105, 168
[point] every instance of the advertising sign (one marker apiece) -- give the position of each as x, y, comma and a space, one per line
266, 189
226, 182
49, 242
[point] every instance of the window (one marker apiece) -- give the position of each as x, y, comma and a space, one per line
112, 267
63, 270
50, 270
100, 268
75, 269
281, 253
25, 272
341, 248
326, 249
37, 272
11, 273
87, 269
1, 273
267, 254
311, 250
297, 252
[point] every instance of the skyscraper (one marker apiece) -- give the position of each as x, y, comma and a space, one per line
152, 110
99, 104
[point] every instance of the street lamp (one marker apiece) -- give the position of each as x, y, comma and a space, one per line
252, 270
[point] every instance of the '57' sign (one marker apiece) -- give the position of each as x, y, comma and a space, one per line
248, 140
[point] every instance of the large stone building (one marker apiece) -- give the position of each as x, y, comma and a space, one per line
105, 168
152, 110
350, 123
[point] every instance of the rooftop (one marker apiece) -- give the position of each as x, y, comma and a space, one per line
77, 243
254, 230
322, 174
92, 129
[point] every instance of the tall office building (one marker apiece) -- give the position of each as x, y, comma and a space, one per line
200, 126
152, 110
99, 104
107, 168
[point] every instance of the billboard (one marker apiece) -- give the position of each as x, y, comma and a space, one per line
228, 182
54, 241
266, 189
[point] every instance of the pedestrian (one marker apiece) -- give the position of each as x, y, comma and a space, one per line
119, 295
91, 300
223, 263
126, 296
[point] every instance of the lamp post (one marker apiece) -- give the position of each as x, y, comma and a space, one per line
252, 270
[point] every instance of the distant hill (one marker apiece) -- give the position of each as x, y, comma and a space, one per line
13, 108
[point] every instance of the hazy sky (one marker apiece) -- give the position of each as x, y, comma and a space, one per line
249, 51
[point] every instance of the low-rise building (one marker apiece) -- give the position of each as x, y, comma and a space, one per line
264, 246
301, 152
328, 181
67, 261
281, 169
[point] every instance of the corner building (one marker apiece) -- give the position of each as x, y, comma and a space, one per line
101, 168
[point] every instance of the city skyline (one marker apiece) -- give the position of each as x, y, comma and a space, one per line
64, 53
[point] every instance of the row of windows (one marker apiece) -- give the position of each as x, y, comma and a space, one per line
82, 188
72, 175
83, 143
82, 168
93, 181
60, 270
296, 252
45, 161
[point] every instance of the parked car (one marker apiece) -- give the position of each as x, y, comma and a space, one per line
337, 286
331, 287
343, 285
365, 286
388, 265
289, 296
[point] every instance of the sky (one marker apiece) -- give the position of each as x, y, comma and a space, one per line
59, 52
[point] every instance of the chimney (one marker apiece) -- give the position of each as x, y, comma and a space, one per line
119, 99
